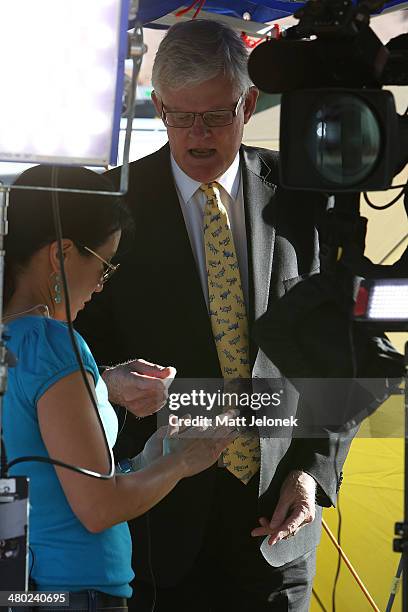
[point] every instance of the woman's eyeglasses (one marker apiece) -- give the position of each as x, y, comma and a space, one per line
108, 269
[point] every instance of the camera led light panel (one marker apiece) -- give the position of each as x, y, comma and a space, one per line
388, 300
62, 67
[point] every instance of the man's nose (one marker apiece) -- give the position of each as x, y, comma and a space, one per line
199, 128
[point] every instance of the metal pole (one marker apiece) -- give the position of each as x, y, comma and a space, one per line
4, 200
137, 49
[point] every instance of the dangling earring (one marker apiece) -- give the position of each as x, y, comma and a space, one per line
57, 290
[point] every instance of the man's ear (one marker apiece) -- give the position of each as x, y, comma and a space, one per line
67, 250
250, 103
158, 104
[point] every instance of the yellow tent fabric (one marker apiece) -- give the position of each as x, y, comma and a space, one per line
371, 501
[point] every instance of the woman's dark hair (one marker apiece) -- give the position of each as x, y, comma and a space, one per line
86, 219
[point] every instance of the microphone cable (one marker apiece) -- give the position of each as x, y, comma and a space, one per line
35, 458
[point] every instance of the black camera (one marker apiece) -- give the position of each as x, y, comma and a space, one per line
341, 131
340, 134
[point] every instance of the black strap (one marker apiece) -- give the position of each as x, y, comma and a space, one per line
92, 607
3, 463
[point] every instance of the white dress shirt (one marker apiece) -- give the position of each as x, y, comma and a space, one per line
192, 202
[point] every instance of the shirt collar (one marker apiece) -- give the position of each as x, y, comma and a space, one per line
188, 186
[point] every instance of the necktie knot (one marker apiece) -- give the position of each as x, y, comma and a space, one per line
211, 190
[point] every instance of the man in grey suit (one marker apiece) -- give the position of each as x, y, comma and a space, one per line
216, 542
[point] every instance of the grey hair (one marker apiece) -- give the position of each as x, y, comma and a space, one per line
195, 51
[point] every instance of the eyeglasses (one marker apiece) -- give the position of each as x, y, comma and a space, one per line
213, 118
108, 269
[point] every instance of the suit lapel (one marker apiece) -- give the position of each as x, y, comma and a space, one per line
258, 190
167, 216
181, 282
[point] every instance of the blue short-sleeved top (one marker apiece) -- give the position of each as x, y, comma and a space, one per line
66, 555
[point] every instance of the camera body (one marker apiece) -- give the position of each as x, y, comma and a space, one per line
340, 132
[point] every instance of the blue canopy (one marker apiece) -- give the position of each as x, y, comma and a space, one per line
267, 10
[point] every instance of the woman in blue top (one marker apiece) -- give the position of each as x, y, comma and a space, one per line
78, 533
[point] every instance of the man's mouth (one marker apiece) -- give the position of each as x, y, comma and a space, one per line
202, 153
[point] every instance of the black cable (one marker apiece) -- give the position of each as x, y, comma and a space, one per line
59, 237
394, 248
58, 228
319, 601
123, 424
353, 358
74, 468
32, 561
150, 563
389, 204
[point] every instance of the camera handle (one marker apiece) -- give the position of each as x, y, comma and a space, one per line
342, 231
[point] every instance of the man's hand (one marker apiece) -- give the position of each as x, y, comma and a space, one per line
296, 507
139, 386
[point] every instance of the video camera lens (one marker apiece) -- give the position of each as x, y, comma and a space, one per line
339, 139
343, 140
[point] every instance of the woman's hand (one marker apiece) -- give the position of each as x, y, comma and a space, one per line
153, 449
199, 447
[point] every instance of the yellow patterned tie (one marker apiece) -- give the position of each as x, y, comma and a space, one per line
228, 320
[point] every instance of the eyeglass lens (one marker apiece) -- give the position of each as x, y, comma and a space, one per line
211, 118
